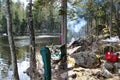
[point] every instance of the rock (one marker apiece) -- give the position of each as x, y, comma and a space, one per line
86, 59
117, 67
30, 72
71, 62
112, 67
64, 75
109, 66
69, 74
106, 73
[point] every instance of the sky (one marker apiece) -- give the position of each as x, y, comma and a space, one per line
25, 2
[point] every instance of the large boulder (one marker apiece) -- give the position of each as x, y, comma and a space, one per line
86, 59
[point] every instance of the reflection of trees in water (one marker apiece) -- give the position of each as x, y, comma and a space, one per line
5, 54
5, 50
23, 52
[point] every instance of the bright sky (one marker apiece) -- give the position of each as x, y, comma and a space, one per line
25, 2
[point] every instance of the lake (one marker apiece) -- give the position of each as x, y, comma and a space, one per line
22, 48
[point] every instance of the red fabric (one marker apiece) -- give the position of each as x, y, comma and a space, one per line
110, 56
60, 38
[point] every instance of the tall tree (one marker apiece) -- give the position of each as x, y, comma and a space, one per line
64, 21
11, 41
117, 15
32, 42
64, 31
111, 6
0, 5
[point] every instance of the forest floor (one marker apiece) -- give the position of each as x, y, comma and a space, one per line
85, 61
88, 64
76, 72
80, 73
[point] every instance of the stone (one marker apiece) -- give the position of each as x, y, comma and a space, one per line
71, 62
109, 66
117, 67
105, 72
64, 75
86, 59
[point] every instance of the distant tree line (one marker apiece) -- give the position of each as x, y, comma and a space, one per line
45, 17
102, 16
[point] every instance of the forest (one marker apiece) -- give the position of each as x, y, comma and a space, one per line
88, 32
46, 16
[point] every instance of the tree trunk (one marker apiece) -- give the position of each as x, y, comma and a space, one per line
117, 18
11, 41
64, 22
32, 42
111, 5
64, 32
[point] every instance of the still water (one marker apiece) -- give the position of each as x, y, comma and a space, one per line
22, 49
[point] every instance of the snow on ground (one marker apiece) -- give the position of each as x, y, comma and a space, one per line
21, 68
112, 39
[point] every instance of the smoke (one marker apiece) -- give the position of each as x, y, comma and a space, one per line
76, 25
81, 23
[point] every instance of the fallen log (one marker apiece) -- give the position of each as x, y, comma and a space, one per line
73, 50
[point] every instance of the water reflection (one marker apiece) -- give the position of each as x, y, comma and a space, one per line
22, 49
5, 50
